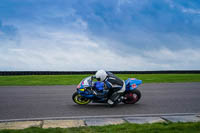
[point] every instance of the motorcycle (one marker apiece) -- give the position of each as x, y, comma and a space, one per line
95, 91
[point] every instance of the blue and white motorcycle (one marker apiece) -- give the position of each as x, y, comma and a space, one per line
89, 90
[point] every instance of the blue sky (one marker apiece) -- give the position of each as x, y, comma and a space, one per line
99, 34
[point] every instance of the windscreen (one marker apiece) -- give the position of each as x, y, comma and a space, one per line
87, 81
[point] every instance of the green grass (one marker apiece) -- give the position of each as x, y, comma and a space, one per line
75, 79
122, 128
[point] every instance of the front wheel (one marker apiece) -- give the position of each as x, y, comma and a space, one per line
78, 99
132, 97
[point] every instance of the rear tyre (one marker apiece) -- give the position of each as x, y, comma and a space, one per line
132, 97
78, 99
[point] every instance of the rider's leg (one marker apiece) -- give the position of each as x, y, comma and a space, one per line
113, 97
116, 95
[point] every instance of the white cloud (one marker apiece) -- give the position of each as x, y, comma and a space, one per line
173, 4
191, 11
42, 47
76, 51
178, 59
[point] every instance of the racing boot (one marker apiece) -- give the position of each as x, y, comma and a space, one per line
114, 99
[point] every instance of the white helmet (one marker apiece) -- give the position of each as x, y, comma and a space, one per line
101, 75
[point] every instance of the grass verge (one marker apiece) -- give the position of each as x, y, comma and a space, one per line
75, 79
122, 128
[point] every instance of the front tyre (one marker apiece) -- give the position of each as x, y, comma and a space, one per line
132, 97
78, 99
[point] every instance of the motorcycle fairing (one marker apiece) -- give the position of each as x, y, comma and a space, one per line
132, 83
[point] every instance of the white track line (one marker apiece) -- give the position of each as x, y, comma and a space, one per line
96, 117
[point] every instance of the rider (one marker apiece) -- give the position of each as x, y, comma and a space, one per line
113, 83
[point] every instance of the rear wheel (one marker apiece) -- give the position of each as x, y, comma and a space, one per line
78, 99
132, 97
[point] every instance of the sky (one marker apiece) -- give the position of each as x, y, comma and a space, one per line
87, 35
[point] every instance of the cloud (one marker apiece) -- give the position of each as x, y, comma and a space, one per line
65, 50
191, 7
192, 11
91, 35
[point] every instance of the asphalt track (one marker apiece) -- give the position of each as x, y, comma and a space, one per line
55, 101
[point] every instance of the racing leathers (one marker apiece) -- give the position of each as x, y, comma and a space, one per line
115, 86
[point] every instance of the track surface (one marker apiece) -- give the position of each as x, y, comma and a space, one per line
55, 101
